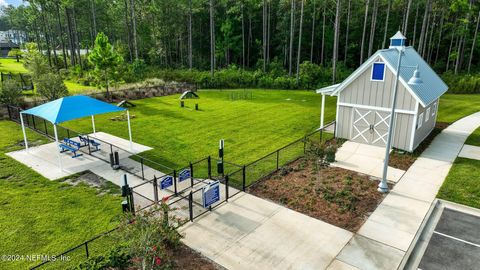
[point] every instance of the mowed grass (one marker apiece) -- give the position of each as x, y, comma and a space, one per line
44, 217
456, 106
462, 183
8, 65
251, 128
474, 138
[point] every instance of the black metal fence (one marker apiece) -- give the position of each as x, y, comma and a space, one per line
24, 80
185, 194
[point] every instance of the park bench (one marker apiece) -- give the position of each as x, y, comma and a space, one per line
91, 142
65, 147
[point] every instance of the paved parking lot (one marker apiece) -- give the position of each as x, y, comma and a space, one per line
454, 244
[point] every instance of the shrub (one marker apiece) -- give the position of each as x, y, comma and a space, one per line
117, 258
11, 92
51, 86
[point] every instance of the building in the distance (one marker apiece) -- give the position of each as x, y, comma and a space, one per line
364, 99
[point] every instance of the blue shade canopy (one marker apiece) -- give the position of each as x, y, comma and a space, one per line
73, 107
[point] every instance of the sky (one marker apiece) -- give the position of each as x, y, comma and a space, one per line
10, 2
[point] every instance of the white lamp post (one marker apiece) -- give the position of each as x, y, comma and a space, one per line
383, 186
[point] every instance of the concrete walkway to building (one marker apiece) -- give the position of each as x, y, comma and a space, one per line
382, 242
366, 159
470, 151
252, 233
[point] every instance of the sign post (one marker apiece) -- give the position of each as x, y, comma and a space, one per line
220, 164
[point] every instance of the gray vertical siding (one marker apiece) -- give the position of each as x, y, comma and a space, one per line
427, 126
371, 93
345, 121
402, 132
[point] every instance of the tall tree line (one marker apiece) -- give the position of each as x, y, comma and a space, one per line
252, 34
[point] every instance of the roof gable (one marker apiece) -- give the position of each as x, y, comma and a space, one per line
427, 92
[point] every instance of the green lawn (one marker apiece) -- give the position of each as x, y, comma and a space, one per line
39, 216
11, 65
462, 184
251, 128
474, 138
456, 106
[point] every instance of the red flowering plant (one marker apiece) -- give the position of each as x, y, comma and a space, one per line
149, 236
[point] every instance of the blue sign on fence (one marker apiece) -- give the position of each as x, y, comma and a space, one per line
211, 194
183, 175
166, 181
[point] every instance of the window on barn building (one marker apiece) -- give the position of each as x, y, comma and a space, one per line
427, 114
434, 109
378, 71
420, 121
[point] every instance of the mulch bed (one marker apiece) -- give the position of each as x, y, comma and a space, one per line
337, 196
186, 258
403, 160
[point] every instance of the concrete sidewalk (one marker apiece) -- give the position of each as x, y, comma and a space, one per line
382, 242
252, 233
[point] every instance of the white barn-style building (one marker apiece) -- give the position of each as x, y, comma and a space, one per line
364, 99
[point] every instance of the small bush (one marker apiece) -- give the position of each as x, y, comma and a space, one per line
11, 92
51, 86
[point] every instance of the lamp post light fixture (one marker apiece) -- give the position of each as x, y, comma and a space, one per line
383, 186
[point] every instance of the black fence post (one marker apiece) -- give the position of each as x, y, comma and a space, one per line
190, 205
175, 181
68, 133
143, 173
88, 144
86, 250
155, 189
335, 129
278, 157
209, 160
321, 135
226, 188
33, 121
191, 174
45, 125
243, 178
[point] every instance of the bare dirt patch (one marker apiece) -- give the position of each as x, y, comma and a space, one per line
403, 160
91, 179
186, 258
340, 197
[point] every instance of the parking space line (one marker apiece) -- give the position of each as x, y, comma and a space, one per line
458, 239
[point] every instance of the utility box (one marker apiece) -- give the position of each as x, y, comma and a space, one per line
220, 167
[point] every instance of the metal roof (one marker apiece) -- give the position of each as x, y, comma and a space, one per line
431, 88
398, 35
427, 92
327, 90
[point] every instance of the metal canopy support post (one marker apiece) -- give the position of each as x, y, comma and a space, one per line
24, 133
322, 111
129, 131
383, 186
58, 147
93, 124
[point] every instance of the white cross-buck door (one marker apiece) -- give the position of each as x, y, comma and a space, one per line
370, 126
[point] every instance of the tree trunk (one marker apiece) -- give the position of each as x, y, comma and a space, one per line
70, 37
249, 39
94, 17
389, 5
77, 39
405, 23
424, 28
190, 33
313, 30
299, 51
134, 28
336, 42
473, 43
45, 34
439, 37
290, 52
212, 40
415, 26
346, 32
269, 12
372, 27
430, 45
367, 3
62, 41
127, 28
322, 50
264, 34
243, 35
